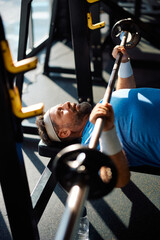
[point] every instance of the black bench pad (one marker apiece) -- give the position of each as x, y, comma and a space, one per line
51, 150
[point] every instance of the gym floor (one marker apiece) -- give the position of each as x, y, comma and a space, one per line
128, 213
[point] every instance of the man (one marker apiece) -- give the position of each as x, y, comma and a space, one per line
69, 120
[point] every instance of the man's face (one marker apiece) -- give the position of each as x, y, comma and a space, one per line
70, 114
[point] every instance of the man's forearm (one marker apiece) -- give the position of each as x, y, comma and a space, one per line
125, 76
121, 164
123, 83
110, 145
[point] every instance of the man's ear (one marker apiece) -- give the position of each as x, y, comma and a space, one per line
64, 132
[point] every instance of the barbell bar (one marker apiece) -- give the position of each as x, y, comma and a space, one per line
122, 31
78, 173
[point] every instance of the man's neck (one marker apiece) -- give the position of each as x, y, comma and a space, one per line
84, 124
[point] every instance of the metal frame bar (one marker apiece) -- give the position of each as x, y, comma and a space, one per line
79, 28
96, 45
47, 69
23, 37
43, 191
13, 177
30, 31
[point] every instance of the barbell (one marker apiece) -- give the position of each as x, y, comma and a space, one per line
80, 165
77, 164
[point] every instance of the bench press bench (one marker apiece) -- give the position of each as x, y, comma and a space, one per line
52, 150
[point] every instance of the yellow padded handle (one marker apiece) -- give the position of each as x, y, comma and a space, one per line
94, 26
17, 67
23, 112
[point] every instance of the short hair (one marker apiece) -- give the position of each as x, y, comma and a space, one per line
42, 130
43, 133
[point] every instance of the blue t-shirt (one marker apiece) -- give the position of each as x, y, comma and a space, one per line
137, 120
87, 133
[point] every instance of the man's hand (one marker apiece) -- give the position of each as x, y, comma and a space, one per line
125, 57
103, 111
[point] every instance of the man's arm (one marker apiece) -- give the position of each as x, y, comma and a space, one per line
125, 74
119, 158
110, 143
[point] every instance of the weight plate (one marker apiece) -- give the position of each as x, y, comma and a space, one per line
133, 32
77, 164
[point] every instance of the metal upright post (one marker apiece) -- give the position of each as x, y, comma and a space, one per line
80, 40
23, 37
51, 34
13, 177
96, 46
137, 9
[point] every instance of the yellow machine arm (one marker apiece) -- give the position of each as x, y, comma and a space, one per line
16, 67
92, 1
23, 112
94, 26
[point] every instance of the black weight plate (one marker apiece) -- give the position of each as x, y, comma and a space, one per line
129, 26
93, 162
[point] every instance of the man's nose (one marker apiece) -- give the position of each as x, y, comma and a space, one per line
66, 105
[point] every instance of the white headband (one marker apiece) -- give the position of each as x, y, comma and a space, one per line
49, 128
